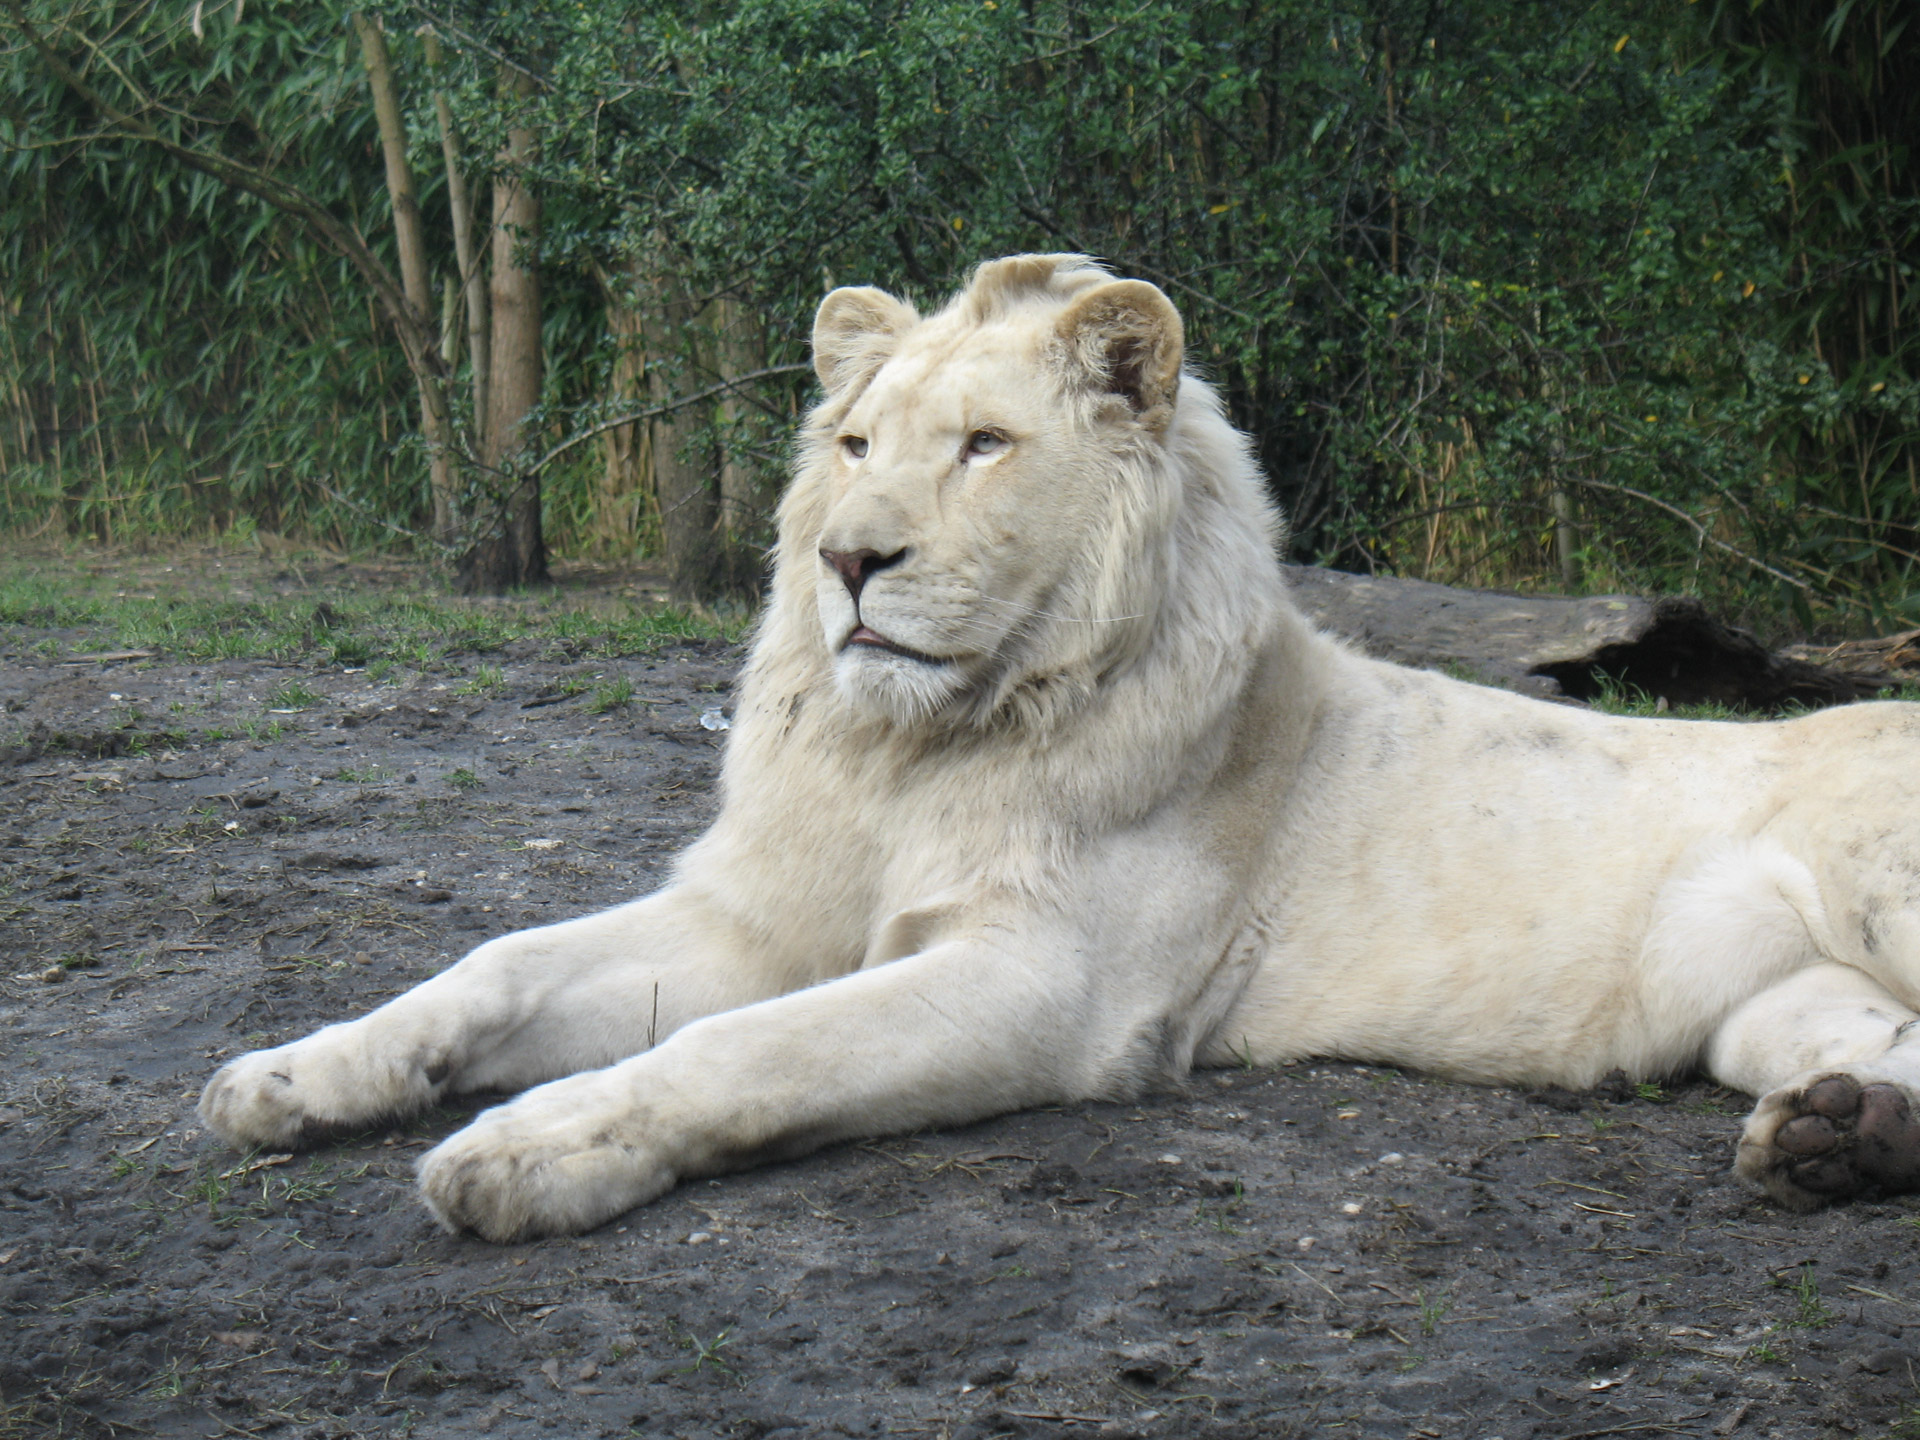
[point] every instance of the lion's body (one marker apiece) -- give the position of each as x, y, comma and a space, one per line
1040, 788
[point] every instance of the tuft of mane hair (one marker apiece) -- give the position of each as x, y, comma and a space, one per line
997, 287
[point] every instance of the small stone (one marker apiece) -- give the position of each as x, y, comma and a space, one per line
1305, 1243
1882, 1361
1350, 1208
360, 957
54, 974
1169, 1159
1393, 1157
699, 1237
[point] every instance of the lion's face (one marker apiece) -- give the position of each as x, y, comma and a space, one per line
976, 477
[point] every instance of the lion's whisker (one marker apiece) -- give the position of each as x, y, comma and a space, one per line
1063, 619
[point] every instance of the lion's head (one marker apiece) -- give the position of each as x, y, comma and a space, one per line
985, 496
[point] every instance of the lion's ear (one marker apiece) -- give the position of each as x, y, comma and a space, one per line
1126, 338
854, 332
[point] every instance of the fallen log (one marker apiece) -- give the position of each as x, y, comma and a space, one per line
1883, 663
1571, 648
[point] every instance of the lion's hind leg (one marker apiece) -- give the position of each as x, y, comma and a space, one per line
1835, 1060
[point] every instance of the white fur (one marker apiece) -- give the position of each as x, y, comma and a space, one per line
1120, 811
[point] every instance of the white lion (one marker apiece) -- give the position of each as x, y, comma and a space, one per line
1041, 789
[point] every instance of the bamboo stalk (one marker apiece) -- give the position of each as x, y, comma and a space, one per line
473, 280
410, 234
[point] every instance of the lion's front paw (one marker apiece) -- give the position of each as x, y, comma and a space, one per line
1838, 1137
295, 1094
536, 1167
255, 1100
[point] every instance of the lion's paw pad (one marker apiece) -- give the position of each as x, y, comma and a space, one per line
1846, 1138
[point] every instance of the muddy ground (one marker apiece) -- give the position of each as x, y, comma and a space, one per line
1315, 1250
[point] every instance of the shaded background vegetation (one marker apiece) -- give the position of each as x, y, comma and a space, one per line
1538, 296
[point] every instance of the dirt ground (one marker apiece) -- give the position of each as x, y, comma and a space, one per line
1311, 1251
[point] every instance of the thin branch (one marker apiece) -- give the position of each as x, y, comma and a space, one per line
652, 412
1700, 531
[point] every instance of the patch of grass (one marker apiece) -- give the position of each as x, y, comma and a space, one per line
1810, 1312
610, 695
705, 1352
1433, 1309
350, 651
170, 1385
464, 779
293, 695
485, 680
210, 1186
186, 620
1219, 1215
366, 775
1616, 697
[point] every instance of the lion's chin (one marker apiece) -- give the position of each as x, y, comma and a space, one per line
904, 688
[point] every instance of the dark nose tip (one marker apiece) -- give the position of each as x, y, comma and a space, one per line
855, 566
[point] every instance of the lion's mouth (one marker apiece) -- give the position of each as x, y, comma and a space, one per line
866, 635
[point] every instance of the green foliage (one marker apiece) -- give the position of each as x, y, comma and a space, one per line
178, 357
1512, 295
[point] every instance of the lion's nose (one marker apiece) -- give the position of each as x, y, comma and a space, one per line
855, 566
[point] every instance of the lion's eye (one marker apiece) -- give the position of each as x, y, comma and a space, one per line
985, 442
854, 445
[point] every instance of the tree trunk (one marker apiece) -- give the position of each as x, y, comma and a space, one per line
685, 464
473, 281
410, 237
508, 549
739, 349
623, 508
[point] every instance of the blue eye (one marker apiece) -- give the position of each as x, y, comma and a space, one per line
854, 445
985, 442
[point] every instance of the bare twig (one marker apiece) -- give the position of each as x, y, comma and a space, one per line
1699, 530
635, 416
